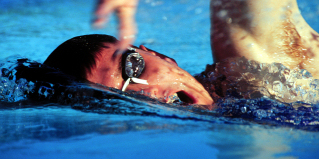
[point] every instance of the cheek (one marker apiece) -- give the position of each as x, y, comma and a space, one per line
178, 71
160, 74
110, 78
154, 71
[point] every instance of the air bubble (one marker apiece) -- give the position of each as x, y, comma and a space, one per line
243, 109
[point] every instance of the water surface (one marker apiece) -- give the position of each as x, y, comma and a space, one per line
135, 128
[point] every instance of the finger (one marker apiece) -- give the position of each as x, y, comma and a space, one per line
102, 12
127, 27
125, 41
105, 7
99, 23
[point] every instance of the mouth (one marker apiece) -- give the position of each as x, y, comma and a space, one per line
186, 97
181, 96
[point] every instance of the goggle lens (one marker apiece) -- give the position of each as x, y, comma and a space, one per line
133, 66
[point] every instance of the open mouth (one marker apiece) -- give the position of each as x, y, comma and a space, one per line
181, 96
185, 97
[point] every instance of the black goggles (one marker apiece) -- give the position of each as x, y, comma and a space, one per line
132, 67
132, 64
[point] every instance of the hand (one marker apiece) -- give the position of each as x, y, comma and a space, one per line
125, 10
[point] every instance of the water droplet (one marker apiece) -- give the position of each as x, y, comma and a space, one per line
243, 109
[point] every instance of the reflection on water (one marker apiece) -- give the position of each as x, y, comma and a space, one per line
61, 131
69, 132
58, 122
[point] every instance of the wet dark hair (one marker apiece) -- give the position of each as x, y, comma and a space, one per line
76, 56
67, 65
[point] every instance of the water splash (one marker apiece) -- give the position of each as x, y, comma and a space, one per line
249, 79
12, 90
267, 93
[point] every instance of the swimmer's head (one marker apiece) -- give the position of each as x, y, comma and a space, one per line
96, 59
77, 56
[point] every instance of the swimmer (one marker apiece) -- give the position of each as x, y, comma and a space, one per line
95, 58
245, 32
266, 31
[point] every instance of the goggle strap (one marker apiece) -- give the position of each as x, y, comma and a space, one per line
127, 82
135, 80
140, 81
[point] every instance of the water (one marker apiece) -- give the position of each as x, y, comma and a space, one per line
81, 126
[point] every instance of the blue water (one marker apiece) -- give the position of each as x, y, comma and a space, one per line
137, 129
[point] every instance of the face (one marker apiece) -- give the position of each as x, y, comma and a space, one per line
163, 75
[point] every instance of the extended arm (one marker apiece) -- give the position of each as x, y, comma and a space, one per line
263, 30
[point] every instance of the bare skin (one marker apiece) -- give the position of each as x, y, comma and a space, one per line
163, 75
264, 30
